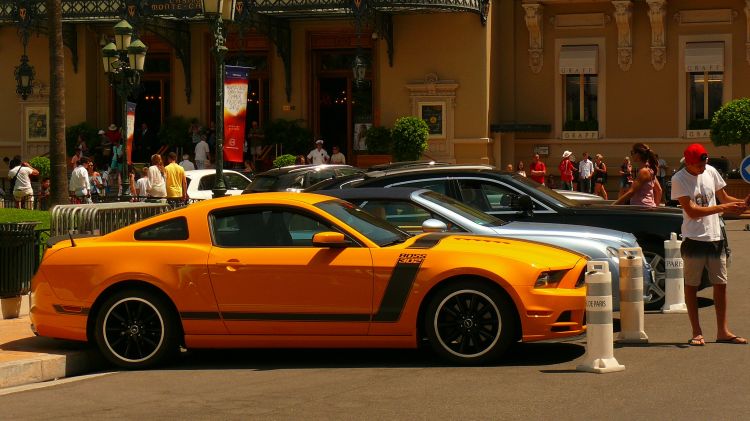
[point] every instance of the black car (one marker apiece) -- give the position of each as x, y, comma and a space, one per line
297, 177
512, 197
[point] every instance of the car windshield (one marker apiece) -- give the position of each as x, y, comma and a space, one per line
546, 191
262, 183
377, 230
474, 215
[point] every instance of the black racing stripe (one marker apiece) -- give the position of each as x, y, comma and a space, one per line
296, 317
199, 315
397, 291
428, 241
59, 308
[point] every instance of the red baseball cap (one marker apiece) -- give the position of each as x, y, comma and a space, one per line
695, 154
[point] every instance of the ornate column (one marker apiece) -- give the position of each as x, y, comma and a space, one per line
747, 22
657, 14
534, 17
624, 19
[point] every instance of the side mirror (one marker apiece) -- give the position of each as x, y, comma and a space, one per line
434, 225
522, 203
330, 239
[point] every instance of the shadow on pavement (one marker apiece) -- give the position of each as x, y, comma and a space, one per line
522, 354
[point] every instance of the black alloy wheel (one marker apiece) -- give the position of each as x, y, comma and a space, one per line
135, 329
470, 323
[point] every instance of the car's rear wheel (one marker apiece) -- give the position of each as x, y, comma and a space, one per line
470, 323
136, 329
658, 283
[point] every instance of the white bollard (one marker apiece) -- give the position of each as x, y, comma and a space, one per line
599, 356
631, 296
674, 288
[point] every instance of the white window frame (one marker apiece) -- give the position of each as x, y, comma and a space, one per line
601, 87
682, 95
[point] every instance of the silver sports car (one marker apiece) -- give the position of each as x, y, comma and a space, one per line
415, 210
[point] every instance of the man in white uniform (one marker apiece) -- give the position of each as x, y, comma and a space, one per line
318, 155
22, 191
79, 181
696, 187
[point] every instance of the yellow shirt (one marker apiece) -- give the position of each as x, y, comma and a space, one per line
175, 174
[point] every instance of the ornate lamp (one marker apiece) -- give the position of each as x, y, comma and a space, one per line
24, 75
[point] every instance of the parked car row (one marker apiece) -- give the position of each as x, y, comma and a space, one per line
465, 259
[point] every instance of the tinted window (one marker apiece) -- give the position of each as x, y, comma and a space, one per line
474, 215
318, 176
207, 182
262, 184
486, 196
345, 171
235, 181
258, 227
406, 215
377, 230
172, 230
440, 186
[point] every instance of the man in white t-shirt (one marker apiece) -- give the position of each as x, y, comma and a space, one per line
696, 187
318, 155
585, 173
201, 153
22, 191
186, 164
79, 182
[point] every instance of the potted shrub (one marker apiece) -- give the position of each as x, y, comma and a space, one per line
284, 160
379, 141
410, 136
41, 164
730, 124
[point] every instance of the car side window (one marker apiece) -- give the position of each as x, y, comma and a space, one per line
206, 182
345, 171
439, 186
405, 215
171, 230
482, 196
265, 228
318, 176
234, 181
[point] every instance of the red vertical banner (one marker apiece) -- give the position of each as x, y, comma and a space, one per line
235, 110
130, 130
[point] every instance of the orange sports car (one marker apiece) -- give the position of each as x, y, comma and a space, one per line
301, 270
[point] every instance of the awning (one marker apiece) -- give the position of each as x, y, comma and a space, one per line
577, 59
704, 57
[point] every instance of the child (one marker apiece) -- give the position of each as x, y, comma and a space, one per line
142, 184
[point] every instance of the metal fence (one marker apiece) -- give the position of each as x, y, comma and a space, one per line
101, 218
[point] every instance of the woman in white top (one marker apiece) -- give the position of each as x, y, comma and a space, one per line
157, 186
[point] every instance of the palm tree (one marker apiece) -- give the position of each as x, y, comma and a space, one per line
58, 161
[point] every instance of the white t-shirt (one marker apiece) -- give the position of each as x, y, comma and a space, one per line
317, 157
141, 186
701, 190
201, 151
338, 158
585, 168
23, 182
157, 186
79, 181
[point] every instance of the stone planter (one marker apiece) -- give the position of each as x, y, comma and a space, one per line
11, 307
366, 161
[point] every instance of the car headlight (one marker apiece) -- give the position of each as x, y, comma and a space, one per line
549, 279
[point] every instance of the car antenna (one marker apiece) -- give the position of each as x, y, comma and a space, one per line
70, 234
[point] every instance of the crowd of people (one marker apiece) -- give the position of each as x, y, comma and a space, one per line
642, 185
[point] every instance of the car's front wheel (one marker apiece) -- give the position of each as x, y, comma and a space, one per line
470, 323
135, 329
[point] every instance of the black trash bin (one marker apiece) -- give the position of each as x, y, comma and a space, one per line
17, 257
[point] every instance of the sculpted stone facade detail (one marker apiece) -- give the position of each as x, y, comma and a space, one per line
534, 21
657, 14
624, 19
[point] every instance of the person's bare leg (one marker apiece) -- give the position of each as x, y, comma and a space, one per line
691, 300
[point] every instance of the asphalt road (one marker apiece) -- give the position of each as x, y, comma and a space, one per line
664, 379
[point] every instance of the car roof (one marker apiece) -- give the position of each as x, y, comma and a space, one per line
265, 197
300, 168
373, 193
437, 169
201, 173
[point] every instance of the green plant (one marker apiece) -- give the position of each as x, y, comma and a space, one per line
84, 129
174, 132
379, 140
731, 124
42, 164
410, 136
581, 126
290, 134
284, 160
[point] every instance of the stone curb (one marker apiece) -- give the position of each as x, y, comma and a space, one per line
45, 367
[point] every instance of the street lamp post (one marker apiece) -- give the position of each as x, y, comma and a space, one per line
123, 62
218, 11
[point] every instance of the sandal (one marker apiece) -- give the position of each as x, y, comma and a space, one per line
737, 340
697, 341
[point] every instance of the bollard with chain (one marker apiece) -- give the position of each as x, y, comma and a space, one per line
599, 356
674, 288
631, 296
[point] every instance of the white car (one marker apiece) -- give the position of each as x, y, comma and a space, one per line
201, 183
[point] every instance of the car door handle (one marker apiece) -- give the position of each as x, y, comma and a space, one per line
232, 264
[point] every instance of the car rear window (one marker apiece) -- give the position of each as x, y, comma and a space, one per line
262, 184
170, 230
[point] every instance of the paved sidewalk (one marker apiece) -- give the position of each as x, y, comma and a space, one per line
25, 358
